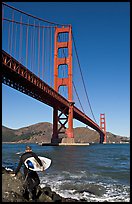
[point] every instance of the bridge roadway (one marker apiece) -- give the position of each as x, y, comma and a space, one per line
15, 75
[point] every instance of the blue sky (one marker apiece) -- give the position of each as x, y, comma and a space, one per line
102, 34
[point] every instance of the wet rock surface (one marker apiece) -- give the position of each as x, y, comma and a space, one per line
13, 190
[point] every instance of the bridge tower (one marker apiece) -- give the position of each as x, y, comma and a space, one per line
103, 127
66, 115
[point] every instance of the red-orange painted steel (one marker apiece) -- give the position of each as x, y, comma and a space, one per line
103, 125
15, 75
63, 81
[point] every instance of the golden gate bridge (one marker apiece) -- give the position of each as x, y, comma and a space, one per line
36, 53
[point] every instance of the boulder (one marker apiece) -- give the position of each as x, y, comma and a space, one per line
13, 190
12, 187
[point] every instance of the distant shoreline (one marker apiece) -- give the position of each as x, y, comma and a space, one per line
21, 142
83, 144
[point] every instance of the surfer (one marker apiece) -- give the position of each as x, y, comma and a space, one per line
31, 177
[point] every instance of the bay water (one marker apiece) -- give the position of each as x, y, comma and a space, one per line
94, 173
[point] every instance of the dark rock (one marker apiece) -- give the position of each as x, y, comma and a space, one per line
13, 190
47, 191
44, 198
56, 197
12, 184
83, 200
13, 197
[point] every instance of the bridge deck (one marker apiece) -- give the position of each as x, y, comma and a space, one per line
19, 77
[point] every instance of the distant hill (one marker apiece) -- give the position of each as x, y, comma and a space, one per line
33, 133
42, 132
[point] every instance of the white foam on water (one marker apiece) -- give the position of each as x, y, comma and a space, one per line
19, 152
78, 174
113, 193
69, 194
8, 169
104, 198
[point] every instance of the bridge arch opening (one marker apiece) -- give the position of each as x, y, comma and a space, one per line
63, 90
63, 52
63, 71
63, 37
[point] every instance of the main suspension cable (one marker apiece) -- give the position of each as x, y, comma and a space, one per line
34, 16
83, 78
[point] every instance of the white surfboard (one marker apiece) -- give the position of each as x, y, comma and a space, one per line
33, 165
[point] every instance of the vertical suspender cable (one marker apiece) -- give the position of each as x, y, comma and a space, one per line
51, 58
31, 47
33, 64
9, 38
15, 40
63, 39
27, 43
38, 50
2, 15
45, 57
12, 33
48, 51
43, 54
20, 47
50, 55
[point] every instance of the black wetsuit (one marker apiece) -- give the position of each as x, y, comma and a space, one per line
31, 176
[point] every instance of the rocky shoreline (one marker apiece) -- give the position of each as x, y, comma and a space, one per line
13, 191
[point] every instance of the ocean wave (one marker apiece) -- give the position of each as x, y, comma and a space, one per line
91, 192
8, 169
